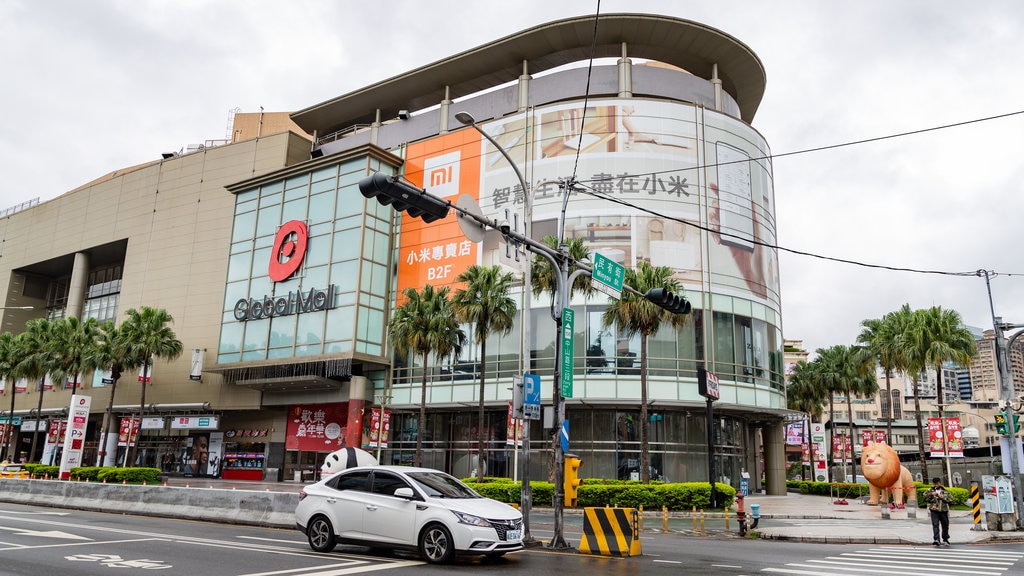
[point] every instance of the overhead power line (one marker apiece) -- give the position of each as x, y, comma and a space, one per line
581, 186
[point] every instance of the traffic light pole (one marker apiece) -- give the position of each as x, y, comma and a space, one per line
402, 196
1006, 395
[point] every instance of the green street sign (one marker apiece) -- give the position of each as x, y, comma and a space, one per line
567, 356
607, 275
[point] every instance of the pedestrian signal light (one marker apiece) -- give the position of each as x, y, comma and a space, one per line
1001, 427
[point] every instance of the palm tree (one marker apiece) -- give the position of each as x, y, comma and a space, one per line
860, 382
148, 336
8, 361
425, 323
486, 304
636, 315
542, 275
938, 337
833, 369
73, 341
110, 352
884, 337
805, 393
37, 358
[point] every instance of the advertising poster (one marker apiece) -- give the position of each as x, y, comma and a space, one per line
715, 203
379, 428
842, 449
129, 431
316, 427
513, 429
952, 436
436, 253
795, 433
806, 454
876, 436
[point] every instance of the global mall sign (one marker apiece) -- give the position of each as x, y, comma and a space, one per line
286, 257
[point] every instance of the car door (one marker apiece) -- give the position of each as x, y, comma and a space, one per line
386, 517
346, 501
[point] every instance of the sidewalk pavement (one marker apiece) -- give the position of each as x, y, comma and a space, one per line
857, 523
852, 523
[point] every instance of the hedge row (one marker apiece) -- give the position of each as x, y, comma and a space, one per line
598, 493
849, 490
109, 474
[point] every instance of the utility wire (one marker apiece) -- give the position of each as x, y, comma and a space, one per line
581, 187
590, 191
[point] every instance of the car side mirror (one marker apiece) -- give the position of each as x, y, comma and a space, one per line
404, 492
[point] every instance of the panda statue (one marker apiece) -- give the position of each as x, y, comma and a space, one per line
346, 458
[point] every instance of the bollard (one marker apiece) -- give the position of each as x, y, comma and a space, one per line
641, 520
664, 519
726, 510
976, 505
701, 522
694, 514
755, 515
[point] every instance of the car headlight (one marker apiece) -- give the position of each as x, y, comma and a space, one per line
471, 520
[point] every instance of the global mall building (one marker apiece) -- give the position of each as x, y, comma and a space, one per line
281, 276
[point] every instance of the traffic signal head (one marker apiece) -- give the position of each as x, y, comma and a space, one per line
572, 479
669, 300
1001, 427
404, 197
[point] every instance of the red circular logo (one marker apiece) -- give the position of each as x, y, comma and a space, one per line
288, 250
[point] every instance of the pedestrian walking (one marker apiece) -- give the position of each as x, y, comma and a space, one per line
939, 499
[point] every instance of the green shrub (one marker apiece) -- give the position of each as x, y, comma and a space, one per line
597, 493
42, 470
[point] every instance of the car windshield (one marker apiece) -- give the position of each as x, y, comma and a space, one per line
440, 485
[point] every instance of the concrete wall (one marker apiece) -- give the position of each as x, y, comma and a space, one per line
258, 508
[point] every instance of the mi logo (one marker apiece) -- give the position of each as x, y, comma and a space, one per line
441, 174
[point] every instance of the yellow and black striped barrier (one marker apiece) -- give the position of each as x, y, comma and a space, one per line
611, 532
976, 506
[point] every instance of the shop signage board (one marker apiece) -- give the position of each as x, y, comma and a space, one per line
74, 441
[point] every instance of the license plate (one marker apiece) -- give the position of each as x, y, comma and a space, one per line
513, 535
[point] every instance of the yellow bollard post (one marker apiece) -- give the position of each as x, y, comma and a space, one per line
726, 519
702, 523
664, 518
641, 521
694, 518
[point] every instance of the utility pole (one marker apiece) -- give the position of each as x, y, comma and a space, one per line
1006, 396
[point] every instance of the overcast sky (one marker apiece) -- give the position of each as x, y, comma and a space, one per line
91, 87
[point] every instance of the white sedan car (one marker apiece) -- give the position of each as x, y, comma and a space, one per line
409, 508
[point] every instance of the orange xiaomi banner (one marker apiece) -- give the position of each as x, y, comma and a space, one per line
436, 253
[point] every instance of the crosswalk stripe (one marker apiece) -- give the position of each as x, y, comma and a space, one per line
906, 561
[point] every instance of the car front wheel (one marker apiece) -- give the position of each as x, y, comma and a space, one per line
436, 545
320, 534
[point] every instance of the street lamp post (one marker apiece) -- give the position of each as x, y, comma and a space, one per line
525, 494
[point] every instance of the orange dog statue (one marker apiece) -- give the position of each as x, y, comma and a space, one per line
881, 466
